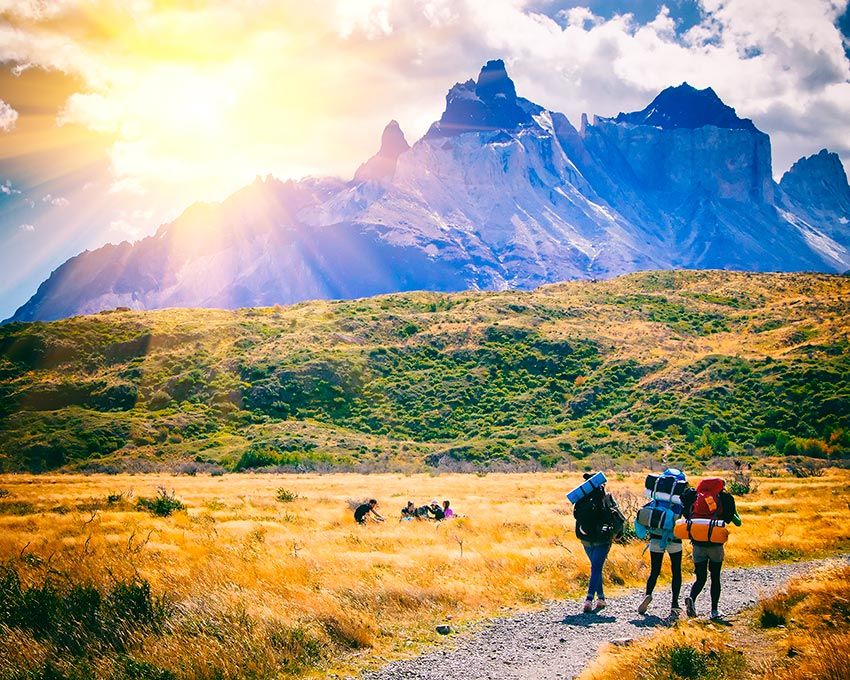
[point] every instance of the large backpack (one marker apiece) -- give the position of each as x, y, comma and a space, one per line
707, 504
599, 518
657, 518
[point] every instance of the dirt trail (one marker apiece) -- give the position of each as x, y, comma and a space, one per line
560, 641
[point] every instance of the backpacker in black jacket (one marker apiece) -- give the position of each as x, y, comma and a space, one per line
598, 518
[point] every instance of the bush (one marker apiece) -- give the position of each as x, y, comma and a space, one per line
164, 504
285, 495
688, 662
742, 482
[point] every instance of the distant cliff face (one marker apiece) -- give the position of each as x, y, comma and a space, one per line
819, 182
499, 193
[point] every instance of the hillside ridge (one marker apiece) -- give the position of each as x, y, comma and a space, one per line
684, 366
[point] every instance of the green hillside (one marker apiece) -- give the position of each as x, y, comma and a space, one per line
680, 366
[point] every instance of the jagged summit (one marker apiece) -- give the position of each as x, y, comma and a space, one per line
818, 181
490, 103
523, 200
687, 107
382, 165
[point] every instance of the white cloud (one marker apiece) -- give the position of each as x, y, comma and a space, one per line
26, 227
8, 117
58, 201
7, 189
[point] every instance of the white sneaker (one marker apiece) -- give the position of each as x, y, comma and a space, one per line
716, 615
644, 605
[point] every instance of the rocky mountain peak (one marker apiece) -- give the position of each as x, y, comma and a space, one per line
490, 103
382, 165
685, 106
818, 181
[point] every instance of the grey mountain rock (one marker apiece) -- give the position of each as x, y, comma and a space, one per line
500, 193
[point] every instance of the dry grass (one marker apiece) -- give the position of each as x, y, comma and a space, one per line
259, 587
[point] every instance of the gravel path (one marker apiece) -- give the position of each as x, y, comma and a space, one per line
559, 641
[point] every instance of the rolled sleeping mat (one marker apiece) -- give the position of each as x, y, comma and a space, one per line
665, 497
702, 530
585, 489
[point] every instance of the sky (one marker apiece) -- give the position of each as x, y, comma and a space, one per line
116, 115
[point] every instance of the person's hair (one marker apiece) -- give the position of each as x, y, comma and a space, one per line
373, 502
446, 504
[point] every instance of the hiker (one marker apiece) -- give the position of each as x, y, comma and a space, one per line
437, 511
448, 513
423, 512
365, 509
598, 522
408, 512
656, 520
708, 501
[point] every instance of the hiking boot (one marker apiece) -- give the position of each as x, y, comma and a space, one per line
675, 614
715, 615
690, 607
588, 606
644, 605
600, 604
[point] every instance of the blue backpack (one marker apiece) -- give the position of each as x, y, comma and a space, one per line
657, 518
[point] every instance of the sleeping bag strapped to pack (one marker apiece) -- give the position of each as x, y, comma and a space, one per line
702, 530
657, 518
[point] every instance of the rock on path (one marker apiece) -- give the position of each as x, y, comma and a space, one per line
560, 641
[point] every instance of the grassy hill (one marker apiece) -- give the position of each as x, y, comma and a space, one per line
680, 366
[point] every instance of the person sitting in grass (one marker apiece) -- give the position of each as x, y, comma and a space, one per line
365, 509
408, 512
423, 512
448, 513
436, 511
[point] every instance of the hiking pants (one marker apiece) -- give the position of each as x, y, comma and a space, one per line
701, 570
596, 554
656, 559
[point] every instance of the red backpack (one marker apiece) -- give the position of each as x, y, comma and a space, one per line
707, 505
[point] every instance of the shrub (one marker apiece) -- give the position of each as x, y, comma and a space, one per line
164, 504
742, 482
687, 662
805, 468
285, 495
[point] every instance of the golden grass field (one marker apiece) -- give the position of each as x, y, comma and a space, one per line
263, 588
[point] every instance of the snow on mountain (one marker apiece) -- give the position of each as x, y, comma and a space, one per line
499, 193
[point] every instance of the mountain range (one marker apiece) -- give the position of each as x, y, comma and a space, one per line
499, 193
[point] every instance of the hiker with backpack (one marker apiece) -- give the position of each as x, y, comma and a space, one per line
598, 522
656, 521
708, 510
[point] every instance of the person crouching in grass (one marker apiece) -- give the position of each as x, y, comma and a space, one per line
366, 510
